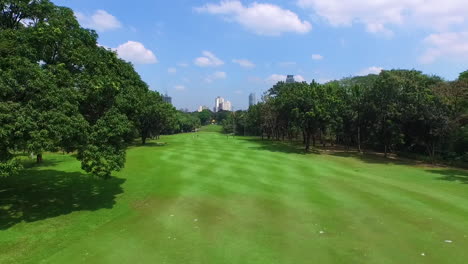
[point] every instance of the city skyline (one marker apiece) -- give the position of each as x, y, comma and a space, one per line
199, 49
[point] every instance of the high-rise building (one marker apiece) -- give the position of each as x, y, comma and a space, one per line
252, 99
219, 101
222, 105
227, 106
167, 98
201, 108
290, 79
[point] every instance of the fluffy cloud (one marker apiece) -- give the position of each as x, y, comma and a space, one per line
317, 57
376, 16
299, 78
208, 60
136, 53
452, 45
244, 63
172, 70
216, 76
370, 70
262, 19
180, 87
100, 21
275, 78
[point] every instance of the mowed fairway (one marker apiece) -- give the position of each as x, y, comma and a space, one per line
209, 199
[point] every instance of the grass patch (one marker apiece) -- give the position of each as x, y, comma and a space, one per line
213, 199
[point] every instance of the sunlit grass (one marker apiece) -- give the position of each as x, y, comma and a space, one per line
214, 199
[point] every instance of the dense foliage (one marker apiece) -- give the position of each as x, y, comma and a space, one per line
396, 111
59, 90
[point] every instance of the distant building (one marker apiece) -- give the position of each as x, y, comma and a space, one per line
227, 106
290, 79
222, 105
252, 99
219, 101
201, 108
167, 98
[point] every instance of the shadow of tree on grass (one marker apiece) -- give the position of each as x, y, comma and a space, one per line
40, 194
452, 175
374, 158
277, 146
153, 144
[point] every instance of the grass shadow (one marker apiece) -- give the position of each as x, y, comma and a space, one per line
452, 175
374, 158
278, 146
153, 144
40, 194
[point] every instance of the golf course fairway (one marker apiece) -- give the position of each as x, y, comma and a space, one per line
206, 198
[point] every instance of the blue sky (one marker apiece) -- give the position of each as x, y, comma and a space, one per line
197, 50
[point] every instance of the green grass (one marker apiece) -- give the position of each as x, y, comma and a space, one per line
210, 199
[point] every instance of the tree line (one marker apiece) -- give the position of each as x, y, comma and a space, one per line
61, 91
402, 111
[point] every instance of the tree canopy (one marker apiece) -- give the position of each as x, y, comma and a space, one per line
395, 111
59, 90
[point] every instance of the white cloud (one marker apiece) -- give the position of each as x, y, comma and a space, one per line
180, 87
100, 21
275, 78
262, 19
370, 70
219, 75
136, 52
209, 60
299, 78
183, 64
244, 63
172, 70
451, 45
317, 57
377, 16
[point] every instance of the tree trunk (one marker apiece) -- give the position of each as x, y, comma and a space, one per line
307, 142
386, 155
359, 139
39, 158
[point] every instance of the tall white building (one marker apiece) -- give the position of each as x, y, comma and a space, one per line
201, 108
227, 106
222, 105
252, 99
219, 104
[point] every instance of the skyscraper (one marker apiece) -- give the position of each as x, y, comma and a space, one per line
252, 99
202, 107
290, 79
219, 101
167, 98
222, 105
227, 106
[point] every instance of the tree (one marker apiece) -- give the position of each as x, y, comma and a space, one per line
463, 76
205, 116
60, 91
155, 116
105, 150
